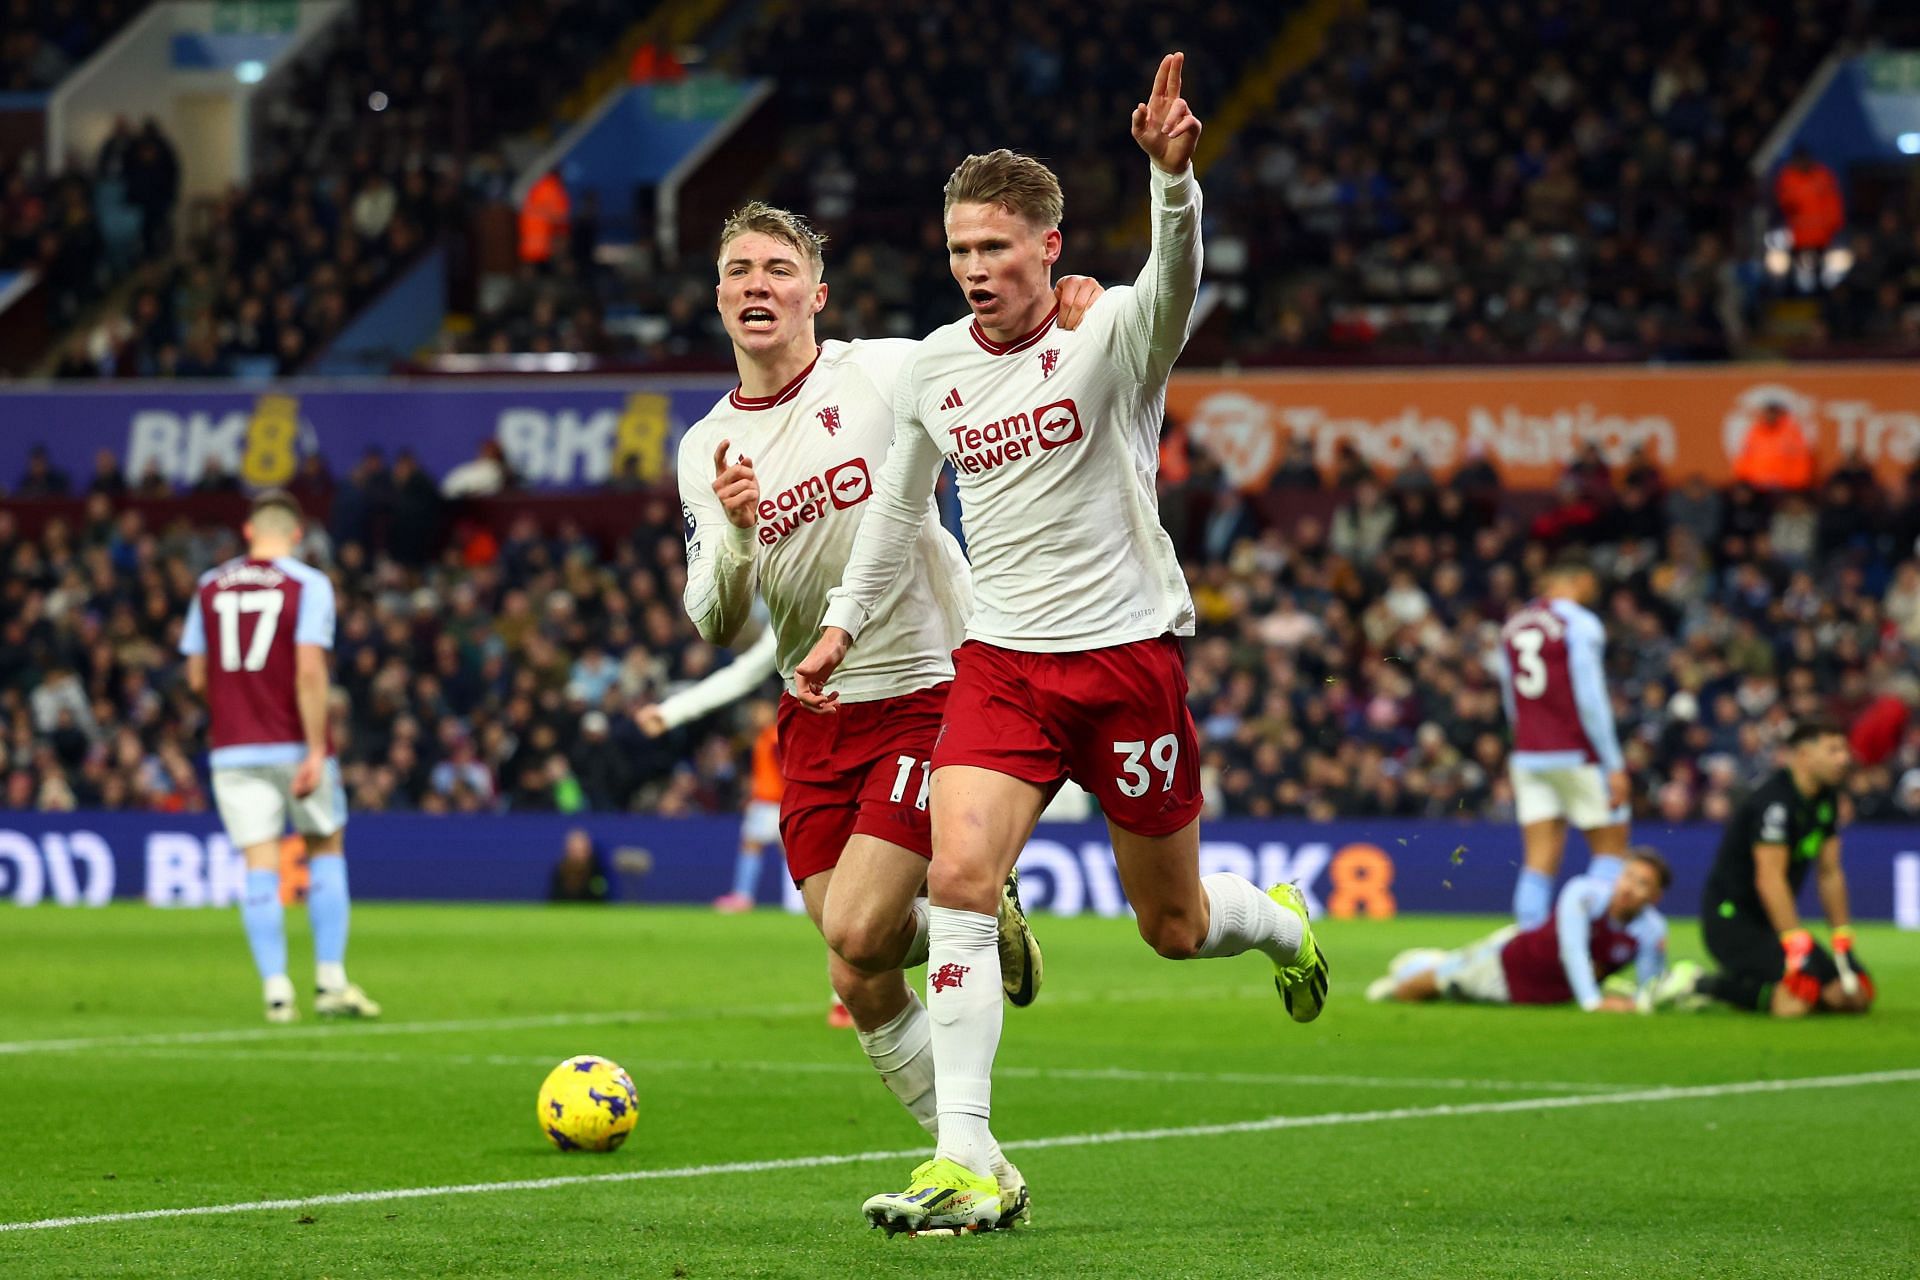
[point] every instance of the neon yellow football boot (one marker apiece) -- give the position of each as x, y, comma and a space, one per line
1302, 984
942, 1195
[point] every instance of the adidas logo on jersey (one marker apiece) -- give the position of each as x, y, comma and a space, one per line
952, 401
835, 489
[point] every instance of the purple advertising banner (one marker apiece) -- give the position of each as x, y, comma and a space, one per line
557, 435
1371, 869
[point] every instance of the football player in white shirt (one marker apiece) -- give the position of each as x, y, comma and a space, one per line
1072, 665
774, 481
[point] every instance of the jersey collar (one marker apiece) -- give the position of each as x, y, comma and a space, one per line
753, 404
1021, 343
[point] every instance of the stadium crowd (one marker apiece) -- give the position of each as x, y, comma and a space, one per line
376, 150
1342, 664
42, 40
1560, 180
1447, 179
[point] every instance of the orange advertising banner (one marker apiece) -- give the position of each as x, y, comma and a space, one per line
1531, 422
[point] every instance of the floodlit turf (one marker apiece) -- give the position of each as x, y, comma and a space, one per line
720, 1020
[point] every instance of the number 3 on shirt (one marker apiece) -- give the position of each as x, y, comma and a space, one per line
1134, 778
1530, 670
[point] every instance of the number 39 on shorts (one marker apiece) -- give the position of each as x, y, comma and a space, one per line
1133, 778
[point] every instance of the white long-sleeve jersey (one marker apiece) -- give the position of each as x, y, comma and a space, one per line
1055, 440
816, 445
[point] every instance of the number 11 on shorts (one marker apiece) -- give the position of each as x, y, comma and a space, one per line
905, 776
1163, 755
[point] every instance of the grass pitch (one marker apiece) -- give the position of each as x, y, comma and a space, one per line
1182, 1125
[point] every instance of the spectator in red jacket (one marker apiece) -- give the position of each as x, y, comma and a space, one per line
1809, 198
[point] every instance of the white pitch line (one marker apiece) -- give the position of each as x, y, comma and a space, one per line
242, 1035
1267, 1125
699, 1013
1124, 1075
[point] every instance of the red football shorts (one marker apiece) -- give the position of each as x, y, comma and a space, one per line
1114, 720
862, 770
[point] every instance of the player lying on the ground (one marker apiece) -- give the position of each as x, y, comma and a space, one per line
774, 483
1599, 926
1788, 827
256, 642
1072, 664
1567, 768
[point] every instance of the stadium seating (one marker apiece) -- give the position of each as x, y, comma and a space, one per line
42, 40
881, 102
1445, 181
379, 147
1341, 665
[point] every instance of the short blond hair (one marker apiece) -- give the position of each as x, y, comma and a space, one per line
1019, 184
784, 225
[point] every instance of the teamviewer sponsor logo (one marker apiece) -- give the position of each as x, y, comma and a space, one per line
835, 489
850, 483
977, 450
1057, 423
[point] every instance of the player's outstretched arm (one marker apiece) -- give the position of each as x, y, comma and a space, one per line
729, 684
1157, 319
719, 501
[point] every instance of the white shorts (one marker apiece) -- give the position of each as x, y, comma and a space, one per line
256, 801
1577, 794
761, 824
1474, 972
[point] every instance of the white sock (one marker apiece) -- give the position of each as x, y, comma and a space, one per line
917, 949
902, 1052
963, 998
1241, 918
330, 977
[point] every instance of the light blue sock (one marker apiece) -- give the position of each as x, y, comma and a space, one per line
746, 872
265, 919
1606, 866
327, 908
1532, 898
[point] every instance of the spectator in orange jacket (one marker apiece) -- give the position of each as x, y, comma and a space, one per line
1809, 198
543, 219
1776, 457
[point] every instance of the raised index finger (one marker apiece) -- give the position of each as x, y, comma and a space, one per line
1175, 62
720, 457
1160, 79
